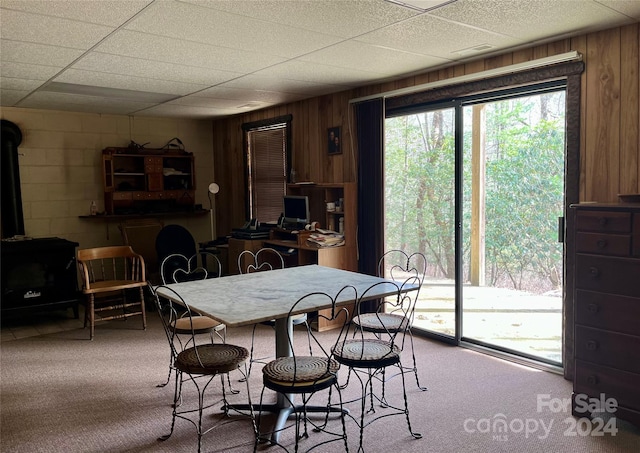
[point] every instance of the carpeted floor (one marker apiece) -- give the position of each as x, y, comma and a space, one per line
63, 393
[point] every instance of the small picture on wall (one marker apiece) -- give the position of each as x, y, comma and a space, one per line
333, 141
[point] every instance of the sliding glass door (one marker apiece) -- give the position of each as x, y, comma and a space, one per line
513, 170
492, 165
420, 206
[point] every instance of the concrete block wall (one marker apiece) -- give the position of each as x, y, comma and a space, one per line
61, 168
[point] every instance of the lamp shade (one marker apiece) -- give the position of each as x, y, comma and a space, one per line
214, 188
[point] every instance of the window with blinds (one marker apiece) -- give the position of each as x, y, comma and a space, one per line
267, 163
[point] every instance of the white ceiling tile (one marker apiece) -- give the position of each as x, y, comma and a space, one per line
365, 57
8, 98
181, 111
194, 23
94, 104
35, 28
252, 81
28, 71
345, 19
319, 73
9, 83
199, 101
419, 34
137, 67
104, 12
629, 8
247, 95
158, 48
42, 54
531, 20
123, 82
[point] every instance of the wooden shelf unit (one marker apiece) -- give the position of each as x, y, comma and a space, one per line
137, 181
341, 257
319, 195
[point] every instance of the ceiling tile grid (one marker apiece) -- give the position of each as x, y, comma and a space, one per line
215, 58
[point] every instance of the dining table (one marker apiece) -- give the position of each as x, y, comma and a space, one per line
247, 299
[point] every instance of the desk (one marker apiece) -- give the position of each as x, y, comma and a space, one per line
247, 299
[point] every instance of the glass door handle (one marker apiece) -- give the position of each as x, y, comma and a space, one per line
561, 229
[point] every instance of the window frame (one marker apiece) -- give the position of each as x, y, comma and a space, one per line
256, 126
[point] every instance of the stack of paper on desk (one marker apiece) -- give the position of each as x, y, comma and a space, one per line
326, 238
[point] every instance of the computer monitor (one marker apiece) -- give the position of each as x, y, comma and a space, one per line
296, 209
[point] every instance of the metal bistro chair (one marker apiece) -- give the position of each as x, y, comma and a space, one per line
266, 259
398, 266
305, 375
198, 364
110, 277
368, 358
178, 268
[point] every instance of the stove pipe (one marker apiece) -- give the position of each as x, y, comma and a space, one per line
12, 215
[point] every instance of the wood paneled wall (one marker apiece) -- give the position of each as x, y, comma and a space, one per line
609, 137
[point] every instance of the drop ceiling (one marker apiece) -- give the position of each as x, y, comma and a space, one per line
216, 58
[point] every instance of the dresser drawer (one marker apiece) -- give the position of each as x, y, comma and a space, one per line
608, 275
603, 244
122, 196
592, 379
616, 350
608, 311
604, 221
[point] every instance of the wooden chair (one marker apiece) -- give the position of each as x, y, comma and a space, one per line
110, 275
266, 259
198, 364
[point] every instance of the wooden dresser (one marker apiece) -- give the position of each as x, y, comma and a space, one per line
607, 306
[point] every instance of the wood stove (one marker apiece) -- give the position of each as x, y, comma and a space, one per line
38, 274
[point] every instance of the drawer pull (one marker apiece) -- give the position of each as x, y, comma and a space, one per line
592, 345
592, 379
601, 244
603, 221
594, 272
593, 308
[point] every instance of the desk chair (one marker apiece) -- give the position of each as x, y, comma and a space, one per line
198, 364
109, 276
396, 265
304, 376
368, 358
141, 235
266, 259
174, 239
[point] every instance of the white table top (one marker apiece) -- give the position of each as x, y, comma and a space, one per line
245, 299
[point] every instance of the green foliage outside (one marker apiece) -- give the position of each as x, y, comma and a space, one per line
524, 190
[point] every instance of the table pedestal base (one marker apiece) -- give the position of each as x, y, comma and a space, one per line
284, 412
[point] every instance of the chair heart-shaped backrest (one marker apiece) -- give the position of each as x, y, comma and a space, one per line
188, 275
259, 267
265, 259
177, 268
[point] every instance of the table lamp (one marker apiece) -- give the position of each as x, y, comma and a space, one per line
213, 189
